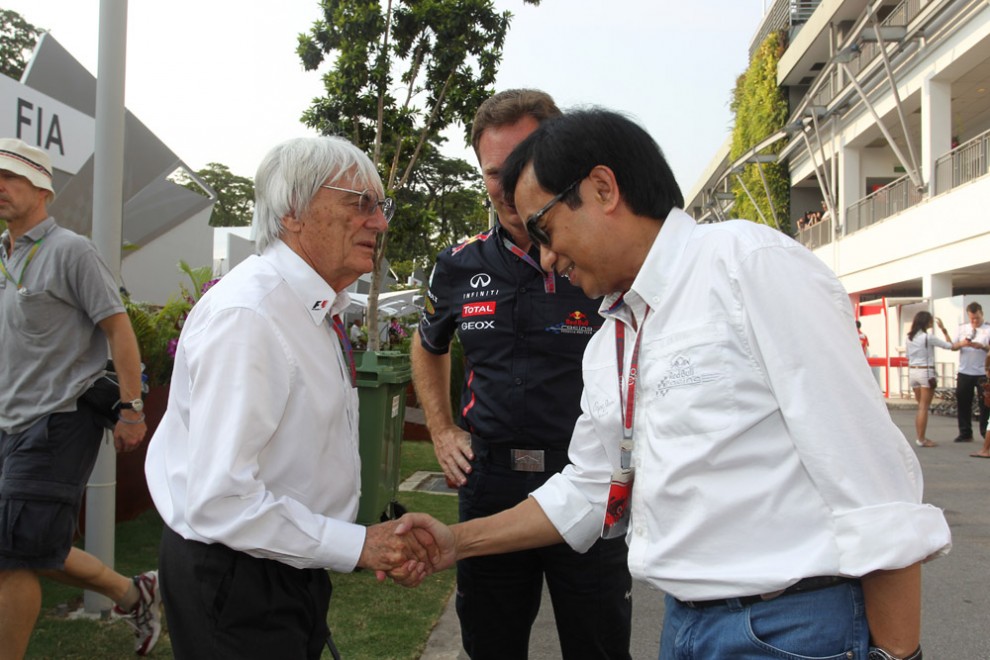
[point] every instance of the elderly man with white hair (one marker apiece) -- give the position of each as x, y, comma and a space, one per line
255, 467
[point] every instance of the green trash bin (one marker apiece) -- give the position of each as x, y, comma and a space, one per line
382, 377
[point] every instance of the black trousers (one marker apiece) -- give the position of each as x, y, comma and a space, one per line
224, 604
966, 386
498, 597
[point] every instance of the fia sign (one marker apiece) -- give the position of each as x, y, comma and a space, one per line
38, 119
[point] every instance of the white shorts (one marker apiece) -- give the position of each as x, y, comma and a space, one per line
921, 375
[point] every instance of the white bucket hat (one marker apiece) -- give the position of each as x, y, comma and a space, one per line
29, 162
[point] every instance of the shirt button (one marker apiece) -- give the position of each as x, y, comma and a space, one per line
523, 290
518, 381
639, 531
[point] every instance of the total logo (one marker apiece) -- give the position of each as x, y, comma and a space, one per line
486, 308
477, 325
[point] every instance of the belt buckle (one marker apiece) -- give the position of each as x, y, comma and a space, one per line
527, 460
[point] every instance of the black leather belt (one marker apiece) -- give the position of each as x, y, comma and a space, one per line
807, 584
521, 459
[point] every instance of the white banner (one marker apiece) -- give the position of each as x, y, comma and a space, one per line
65, 133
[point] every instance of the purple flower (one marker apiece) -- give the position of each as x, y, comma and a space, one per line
208, 285
173, 344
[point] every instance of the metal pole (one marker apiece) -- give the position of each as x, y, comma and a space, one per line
108, 177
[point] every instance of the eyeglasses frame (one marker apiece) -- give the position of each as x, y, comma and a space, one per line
538, 234
387, 204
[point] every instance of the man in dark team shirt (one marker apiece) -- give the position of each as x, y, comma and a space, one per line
523, 332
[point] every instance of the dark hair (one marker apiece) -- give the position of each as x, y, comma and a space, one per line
566, 149
974, 308
510, 106
920, 323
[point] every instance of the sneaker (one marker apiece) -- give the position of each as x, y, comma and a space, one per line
146, 616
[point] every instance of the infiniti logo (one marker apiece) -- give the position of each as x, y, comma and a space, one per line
480, 280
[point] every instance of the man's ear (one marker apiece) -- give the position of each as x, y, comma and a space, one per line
605, 186
291, 223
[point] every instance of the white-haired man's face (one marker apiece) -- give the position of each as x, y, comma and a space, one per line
336, 235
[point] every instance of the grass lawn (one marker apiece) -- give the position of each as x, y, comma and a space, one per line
369, 620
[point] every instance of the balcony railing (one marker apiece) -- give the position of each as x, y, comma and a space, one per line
966, 162
901, 16
783, 15
816, 235
889, 200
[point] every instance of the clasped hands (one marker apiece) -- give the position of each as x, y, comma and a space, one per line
408, 549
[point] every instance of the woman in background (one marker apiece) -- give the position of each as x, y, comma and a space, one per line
921, 366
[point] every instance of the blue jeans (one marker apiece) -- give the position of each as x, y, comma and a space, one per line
825, 624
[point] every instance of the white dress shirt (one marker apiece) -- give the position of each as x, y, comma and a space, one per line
971, 360
258, 449
921, 349
763, 451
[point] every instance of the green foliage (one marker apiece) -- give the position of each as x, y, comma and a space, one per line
401, 74
761, 110
157, 327
17, 40
443, 203
235, 195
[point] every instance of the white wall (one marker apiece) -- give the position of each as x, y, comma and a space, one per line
152, 273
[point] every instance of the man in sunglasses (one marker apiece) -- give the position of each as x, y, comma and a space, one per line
255, 468
779, 524
523, 331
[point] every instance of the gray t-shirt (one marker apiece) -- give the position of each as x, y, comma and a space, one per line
53, 349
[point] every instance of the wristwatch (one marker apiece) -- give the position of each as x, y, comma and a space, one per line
877, 653
137, 405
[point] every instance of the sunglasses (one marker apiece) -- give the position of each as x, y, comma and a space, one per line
538, 234
368, 202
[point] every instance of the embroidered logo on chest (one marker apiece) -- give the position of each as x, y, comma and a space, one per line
682, 373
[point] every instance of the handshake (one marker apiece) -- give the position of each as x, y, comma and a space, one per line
408, 549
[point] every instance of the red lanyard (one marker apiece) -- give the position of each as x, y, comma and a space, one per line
345, 344
549, 283
627, 412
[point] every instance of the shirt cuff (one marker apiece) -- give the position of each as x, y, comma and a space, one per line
576, 519
890, 536
342, 542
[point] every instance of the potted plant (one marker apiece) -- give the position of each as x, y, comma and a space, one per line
157, 329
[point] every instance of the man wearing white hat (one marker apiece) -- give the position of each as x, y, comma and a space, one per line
59, 307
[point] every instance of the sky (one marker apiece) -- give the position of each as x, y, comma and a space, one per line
221, 83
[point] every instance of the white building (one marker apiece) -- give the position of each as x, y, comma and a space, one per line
890, 127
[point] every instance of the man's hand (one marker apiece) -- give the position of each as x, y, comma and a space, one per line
431, 531
405, 557
452, 446
127, 437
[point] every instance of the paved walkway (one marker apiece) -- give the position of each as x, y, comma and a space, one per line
956, 588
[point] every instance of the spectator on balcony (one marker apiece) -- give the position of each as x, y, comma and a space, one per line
921, 367
826, 213
972, 338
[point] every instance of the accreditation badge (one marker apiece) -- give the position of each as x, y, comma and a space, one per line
619, 504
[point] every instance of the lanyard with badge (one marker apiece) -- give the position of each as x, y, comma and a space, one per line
618, 506
19, 282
